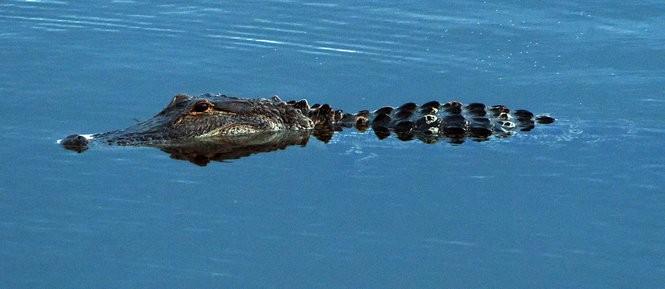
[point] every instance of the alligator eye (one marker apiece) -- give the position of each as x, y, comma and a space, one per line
201, 107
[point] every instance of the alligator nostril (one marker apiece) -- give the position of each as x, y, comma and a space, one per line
75, 142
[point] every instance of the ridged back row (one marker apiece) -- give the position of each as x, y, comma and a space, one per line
429, 120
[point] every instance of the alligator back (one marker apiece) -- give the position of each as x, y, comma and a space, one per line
430, 121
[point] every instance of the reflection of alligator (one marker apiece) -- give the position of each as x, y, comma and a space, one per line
220, 127
221, 148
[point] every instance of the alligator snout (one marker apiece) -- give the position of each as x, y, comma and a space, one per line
75, 142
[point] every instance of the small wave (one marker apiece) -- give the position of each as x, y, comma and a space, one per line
46, 2
284, 43
89, 23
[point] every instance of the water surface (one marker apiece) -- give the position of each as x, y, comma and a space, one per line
576, 205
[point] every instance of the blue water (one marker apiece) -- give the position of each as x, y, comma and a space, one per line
579, 204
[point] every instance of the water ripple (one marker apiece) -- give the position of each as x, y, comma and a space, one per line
283, 43
83, 23
386, 34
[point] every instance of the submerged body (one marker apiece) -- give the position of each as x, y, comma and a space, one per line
188, 119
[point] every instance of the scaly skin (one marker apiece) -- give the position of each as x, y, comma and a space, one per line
188, 119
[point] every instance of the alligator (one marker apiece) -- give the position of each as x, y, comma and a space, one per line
219, 127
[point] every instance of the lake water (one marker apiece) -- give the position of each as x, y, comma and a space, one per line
578, 204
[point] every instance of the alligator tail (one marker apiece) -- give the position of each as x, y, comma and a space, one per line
428, 121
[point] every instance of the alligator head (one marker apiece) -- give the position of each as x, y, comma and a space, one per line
187, 118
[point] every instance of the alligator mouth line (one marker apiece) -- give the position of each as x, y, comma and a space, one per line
231, 130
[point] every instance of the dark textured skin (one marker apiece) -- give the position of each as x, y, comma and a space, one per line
187, 117
238, 122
